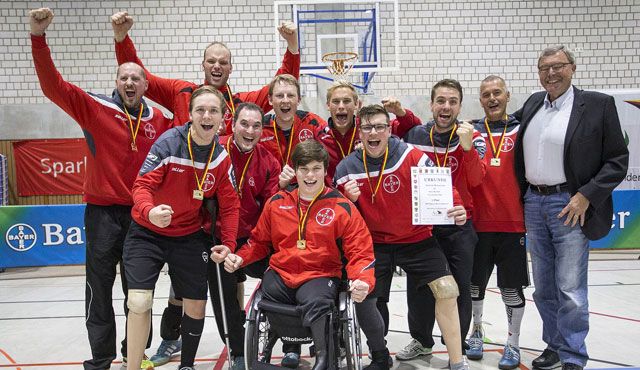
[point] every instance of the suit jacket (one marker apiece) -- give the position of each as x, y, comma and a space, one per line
595, 154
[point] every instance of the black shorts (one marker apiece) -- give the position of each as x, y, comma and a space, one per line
424, 261
507, 251
145, 252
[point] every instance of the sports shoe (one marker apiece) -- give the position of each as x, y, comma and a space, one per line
510, 358
290, 360
167, 349
186, 368
146, 364
413, 350
547, 360
238, 363
475, 344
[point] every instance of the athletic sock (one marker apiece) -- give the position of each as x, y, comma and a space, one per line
514, 319
476, 309
191, 332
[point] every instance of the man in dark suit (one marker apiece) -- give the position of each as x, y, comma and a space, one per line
570, 155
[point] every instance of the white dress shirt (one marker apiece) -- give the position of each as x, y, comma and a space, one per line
544, 141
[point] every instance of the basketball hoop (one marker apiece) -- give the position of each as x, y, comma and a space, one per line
340, 63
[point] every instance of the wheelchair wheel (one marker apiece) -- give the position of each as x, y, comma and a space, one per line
351, 335
259, 340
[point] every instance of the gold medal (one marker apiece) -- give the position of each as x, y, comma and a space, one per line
134, 147
495, 162
198, 194
301, 244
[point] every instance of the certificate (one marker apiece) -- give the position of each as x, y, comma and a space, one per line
431, 195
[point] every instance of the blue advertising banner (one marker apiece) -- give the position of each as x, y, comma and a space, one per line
42, 235
625, 229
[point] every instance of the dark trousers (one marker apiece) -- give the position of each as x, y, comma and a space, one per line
234, 313
458, 243
315, 297
106, 228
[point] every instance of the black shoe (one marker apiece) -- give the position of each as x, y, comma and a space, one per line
570, 366
547, 360
290, 360
380, 360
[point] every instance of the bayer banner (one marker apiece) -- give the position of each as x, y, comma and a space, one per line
42, 235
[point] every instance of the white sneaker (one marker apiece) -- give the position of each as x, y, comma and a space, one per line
413, 350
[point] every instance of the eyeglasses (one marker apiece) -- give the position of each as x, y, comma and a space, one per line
367, 129
556, 67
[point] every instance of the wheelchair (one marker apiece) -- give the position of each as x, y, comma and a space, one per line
268, 321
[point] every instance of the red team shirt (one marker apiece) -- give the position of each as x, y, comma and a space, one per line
389, 219
167, 177
331, 217
175, 94
467, 168
497, 198
338, 146
260, 183
112, 166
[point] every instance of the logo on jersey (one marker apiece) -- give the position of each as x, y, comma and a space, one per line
20, 237
209, 181
149, 163
391, 184
325, 216
205, 257
305, 134
251, 182
149, 131
121, 118
452, 163
508, 144
522, 241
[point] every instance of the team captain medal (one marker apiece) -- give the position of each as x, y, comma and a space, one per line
198, 193
301, 243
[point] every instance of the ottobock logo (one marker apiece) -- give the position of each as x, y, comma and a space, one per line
21, 237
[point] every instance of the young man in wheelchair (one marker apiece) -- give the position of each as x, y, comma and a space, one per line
300, 228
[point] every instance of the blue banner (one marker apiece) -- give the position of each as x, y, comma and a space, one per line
42, 235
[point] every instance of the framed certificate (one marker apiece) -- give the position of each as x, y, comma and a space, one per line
431, 195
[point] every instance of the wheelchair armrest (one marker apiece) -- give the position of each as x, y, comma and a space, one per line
283, 308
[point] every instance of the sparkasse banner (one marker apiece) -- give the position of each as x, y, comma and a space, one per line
50, 167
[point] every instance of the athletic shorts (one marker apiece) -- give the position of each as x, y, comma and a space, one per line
145, 252
507, 251
424, 261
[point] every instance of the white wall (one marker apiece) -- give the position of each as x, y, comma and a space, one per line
466, 40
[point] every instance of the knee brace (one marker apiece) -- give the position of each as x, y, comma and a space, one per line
139, 300
444, 287
512, 297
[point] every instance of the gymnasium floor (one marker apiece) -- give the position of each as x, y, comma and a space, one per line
42, 320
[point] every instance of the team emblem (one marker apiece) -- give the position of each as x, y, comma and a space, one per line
149, 131
452, 163
325, 216
251, 182
391, 184
205, 257
209, 181
508, 144
21, 237
305, 134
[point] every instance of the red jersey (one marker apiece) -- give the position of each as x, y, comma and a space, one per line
168, 176
334, 228
306, 125
256, 173
467, 168
175, 94
497, 198
389, 217
112, 165
338, 146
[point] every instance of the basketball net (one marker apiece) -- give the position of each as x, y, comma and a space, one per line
340, 63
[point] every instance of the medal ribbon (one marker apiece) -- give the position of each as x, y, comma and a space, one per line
134, 134
494, 150
384, 164
244, 170
446, 152
230, 105
275, 133
353, 136
302, 219
199, 182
